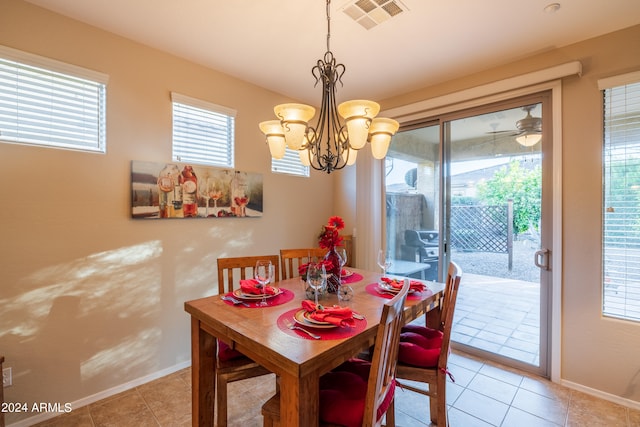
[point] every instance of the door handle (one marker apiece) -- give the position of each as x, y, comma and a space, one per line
541, 259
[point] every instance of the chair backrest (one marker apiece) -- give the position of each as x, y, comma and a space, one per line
291, 259
348, 243
448, 304
385, 356
245, 265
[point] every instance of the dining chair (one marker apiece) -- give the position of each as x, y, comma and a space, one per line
291, 259
359, 392
348, 243
424, 352
231, 365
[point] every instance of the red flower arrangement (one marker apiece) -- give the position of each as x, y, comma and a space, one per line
328, 239
330, 236
302, 270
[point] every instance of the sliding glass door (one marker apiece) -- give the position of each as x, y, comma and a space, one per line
468, 187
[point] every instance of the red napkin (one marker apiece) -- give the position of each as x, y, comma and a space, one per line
414, 285
339, 316
253, 287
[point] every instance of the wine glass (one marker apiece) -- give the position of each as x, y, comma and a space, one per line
203, 189
215, 193
316, 278
384, 261
342, 257
263, 273
242, 201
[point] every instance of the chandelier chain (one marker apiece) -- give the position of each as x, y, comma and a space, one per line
332, 143
328, 24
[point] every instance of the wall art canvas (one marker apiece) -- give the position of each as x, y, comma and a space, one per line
181, 190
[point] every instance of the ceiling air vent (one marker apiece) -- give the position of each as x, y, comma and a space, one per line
370, 13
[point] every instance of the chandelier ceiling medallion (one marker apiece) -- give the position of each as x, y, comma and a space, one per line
329, 145
529, 128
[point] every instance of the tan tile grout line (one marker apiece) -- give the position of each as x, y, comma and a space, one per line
153, 414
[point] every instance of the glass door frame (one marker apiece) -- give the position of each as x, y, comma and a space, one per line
545, 283
443, 120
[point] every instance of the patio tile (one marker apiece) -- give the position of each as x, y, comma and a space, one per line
466, 330
492, 337
485, 345
529, 347
520, 355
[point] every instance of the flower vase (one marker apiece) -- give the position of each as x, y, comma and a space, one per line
333, 279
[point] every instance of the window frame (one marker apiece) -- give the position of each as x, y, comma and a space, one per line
620, 159
211, 112
290, 164
61, 76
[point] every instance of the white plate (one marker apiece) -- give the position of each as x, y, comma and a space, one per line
347, 273
302, 317
239, 294
388, 288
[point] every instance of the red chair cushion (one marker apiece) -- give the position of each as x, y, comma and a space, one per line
226, 353
343, 392
419, 346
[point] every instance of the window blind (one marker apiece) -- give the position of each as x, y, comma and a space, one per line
621, 192
42, 106
202, 132
289, 164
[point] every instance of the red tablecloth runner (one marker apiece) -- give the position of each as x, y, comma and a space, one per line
372, 288
285, 296
326, 334
355, 277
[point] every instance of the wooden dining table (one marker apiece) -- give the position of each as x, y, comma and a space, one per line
296, 359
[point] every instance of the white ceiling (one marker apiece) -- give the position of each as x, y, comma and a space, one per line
274, 43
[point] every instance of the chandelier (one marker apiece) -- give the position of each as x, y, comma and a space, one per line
329, 145
529, 128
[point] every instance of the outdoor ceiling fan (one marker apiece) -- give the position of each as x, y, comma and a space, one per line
529, 128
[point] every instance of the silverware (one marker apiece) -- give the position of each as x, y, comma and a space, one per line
383, 292
358, 316
292, 326
234, 301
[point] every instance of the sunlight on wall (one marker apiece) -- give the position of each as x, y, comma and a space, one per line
127, 355
77, 278
90, 320
235, 242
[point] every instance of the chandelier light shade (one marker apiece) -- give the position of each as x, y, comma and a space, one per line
294, 118
358, 115
381, 130
275, 137
340, 130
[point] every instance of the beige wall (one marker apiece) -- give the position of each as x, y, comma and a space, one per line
597, 353
90, 298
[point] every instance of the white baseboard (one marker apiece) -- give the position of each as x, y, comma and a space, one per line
633, 404
104, 394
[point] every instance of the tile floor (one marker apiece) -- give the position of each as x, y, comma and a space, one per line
499, 315
484, 394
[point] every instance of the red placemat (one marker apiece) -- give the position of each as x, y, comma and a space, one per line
372, 288
355, 277
285, 296
326, 334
